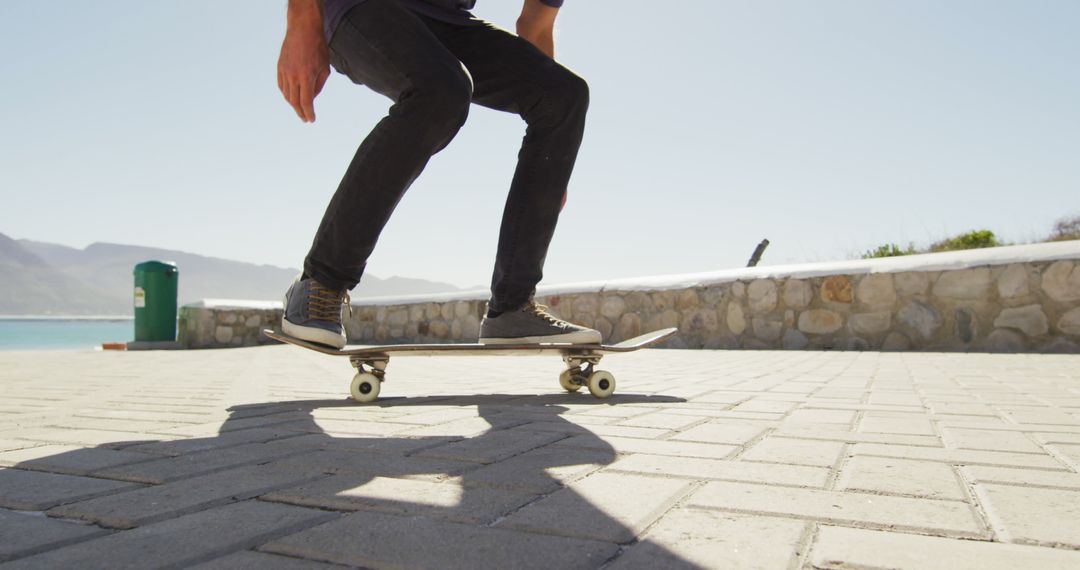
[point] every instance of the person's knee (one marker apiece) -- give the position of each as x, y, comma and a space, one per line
567, 100
443, 106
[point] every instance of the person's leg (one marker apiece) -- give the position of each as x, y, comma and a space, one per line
388, 48
510, 74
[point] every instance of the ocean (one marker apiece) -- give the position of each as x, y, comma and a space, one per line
54, 333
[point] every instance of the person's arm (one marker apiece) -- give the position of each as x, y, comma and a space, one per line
304, 64
537, 24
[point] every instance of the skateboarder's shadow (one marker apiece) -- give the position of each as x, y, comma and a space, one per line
507, 461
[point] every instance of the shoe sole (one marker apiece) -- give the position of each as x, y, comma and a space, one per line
313, 334
566, 338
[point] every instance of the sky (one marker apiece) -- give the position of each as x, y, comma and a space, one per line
828, 127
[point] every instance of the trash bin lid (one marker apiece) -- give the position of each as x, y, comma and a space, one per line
156, 267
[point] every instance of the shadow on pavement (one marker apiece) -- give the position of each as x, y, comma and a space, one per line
502, 466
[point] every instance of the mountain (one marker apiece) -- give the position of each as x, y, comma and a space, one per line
46, 278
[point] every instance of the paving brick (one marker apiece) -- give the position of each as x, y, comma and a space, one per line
843, 548
382, 445
1030, 514
692, 539
856, 437
897, 425
37, 491
988, 440
347, 427
795, 452
492, 446
948, 517
85, 437
1026, 477
469, 427
805, 416
662, 420
721, 432
250, 560
569, 428
159, 502
183, 541
446, 500
69, 459
12, 444
958, 456
378, 464
724, 470
655, 447
597, 507
181, 446
901, 477
541, 470
391, 541
23, 534
189, 465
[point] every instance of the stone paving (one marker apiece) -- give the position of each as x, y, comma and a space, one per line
253, 458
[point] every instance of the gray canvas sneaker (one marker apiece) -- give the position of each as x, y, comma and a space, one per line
313, 313
532, 324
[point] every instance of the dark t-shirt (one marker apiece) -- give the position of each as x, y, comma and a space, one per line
452, 11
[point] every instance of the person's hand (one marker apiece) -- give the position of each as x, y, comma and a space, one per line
303, 68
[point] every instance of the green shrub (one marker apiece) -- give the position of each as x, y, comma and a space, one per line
889, 250
974, 239
1066, 229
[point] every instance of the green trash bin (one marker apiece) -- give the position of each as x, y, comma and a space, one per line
155, 301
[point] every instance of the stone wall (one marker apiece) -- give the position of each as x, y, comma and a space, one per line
1011, 299
213, 323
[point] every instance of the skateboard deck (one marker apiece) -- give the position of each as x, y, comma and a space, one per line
581, 359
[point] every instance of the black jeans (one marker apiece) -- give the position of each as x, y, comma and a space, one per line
433, 71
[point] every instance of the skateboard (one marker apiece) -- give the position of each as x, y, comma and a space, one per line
581, 359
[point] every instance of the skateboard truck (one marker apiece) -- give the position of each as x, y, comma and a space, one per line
581, 371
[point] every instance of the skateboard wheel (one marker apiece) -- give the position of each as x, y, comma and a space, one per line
601, 383
565, 380
365, 387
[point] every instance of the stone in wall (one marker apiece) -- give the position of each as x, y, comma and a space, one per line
798, 293
911, 283
1069, 323
700, 321
1003, 340
1013, 282
687, 299
820, 321
876, 290
836, 289
767, 329
663, 300
612, 307
604, 326
870, 323
964, 283
1061, 281
762, 294
638, 301
713, 295
1030, 319
794, 340
965, 325
736, 320
738, 289
896, 341
921, 317
629, 326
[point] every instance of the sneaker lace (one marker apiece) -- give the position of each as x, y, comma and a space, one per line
539, 310
324, 304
